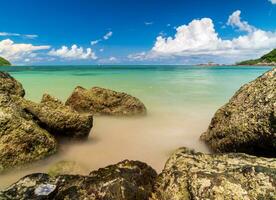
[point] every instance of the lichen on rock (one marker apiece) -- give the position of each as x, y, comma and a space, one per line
247, 123
192, 175
101, 101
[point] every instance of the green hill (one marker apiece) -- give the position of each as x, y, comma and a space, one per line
267, 59
4, 62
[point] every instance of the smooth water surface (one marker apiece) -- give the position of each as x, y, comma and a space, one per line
181, 101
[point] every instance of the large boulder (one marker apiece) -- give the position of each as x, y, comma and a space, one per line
21, 139
9, 85
105, 102
127, 180
247, 123
191, 175
58, 119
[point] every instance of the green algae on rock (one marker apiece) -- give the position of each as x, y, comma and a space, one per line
192, 175
9, 85
127, 180
103, 101
21, 139
58, 119
247, 123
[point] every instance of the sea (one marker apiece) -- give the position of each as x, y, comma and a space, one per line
180, 101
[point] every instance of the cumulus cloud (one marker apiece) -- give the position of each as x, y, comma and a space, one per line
107, 35
234, 20
273, 1
73, 53
30, 36
199, 37
19, 51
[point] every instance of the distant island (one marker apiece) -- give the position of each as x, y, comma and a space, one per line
268, 59
4, 62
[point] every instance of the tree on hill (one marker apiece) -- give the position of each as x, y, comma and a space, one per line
4, 62
267, 58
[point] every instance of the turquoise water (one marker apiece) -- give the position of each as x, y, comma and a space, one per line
165, 86
181, 101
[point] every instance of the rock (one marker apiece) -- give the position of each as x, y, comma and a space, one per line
9, 85
127, 180
247, 123
65, 167
192, 175
21, 139
32, 187
105, 102
58, 119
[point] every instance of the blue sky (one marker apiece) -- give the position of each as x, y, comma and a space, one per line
126, 31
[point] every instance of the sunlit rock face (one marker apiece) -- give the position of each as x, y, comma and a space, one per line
193, 175
247, 123
58, 119
28, 130
9, 85
101, 101
127, 180
21, 139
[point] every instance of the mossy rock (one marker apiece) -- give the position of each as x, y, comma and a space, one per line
247, 123
101, 101
192, 175
21, 140
127, 180
59, 119
10, 86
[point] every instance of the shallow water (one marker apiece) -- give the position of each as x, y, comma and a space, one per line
180, 99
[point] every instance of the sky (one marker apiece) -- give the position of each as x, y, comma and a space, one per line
61, 32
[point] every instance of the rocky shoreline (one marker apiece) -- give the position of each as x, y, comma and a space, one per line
246, 124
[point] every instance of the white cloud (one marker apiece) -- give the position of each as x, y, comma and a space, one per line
148, 23
109, 60
30, 36
112, 59
19, 51
73, 53
199, 38
9, 34
94, 42
234, 20
273, 1
107, 35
